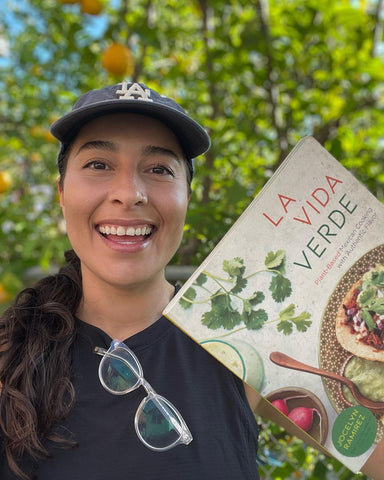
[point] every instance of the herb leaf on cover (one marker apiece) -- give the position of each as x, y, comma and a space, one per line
370, 298
229, 305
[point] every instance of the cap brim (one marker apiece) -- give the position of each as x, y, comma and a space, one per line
193, 139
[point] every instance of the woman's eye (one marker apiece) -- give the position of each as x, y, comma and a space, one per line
96, 165
162, 170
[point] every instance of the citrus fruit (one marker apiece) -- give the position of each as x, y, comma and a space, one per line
5, 181
92, 7
48, 137
37, 131
118, 59
35, 157
4, 295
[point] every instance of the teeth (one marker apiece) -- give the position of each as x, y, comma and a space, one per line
121, 231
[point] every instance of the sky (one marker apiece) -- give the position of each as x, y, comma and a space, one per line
95, 25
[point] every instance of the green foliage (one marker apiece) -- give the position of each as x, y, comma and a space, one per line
284, 457
229, 306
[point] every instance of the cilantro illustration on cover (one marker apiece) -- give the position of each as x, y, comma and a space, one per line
292, 301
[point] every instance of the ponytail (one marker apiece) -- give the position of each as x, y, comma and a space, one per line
36, 337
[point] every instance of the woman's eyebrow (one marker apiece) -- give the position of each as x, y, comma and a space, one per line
157, 150
99, 145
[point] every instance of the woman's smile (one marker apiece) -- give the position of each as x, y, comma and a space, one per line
120, 231
134, 236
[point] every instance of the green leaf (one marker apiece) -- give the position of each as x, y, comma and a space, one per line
367, 296
234, 268
255, 319
216, 318
366, 316
239, 286
275, 260
378, 306
301, 321
320, 470
377, 278
221, 315
190, 295
201, 279
256, 298
285, 326
280, 288
287, 312
247, 307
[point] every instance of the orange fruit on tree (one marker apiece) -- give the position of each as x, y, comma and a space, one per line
37, 131
92, 7
118, 59
48, 137
4, 295
35, 157
5, 181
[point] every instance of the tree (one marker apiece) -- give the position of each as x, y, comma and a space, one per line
259, 75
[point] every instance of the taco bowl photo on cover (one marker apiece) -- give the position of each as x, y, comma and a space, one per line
359, 330
360, 319
347, 347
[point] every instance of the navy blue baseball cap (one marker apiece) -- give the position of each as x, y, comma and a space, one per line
134, 98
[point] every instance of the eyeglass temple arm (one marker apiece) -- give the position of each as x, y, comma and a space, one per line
100, 351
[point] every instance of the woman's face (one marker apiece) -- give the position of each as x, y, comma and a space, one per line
124, 199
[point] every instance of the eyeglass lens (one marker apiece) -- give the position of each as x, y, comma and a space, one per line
118, 375
153, 426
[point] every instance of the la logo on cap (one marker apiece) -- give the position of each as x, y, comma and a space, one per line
134, 92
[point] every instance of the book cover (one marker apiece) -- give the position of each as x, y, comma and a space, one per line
292, 301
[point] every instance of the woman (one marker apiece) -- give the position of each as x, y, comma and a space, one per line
125, 165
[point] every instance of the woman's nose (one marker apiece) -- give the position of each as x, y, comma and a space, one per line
128, 190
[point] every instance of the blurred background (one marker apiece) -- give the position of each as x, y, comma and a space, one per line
258, 74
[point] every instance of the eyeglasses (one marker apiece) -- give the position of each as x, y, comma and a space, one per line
158, 424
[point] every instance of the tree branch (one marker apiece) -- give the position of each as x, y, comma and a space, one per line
191, 246
378, 30
273, 91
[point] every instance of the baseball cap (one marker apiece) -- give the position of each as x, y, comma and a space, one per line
134, 98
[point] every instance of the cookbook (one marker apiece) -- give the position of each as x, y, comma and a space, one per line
292, 301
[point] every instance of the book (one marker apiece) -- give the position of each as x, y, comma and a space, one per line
294, 292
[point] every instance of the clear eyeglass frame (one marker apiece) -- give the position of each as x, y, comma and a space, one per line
158, 423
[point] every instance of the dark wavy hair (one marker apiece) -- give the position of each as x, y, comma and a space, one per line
36, 338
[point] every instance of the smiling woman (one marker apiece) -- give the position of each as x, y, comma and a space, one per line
125, 166
125, 172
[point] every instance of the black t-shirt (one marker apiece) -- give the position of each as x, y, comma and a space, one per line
209, 397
